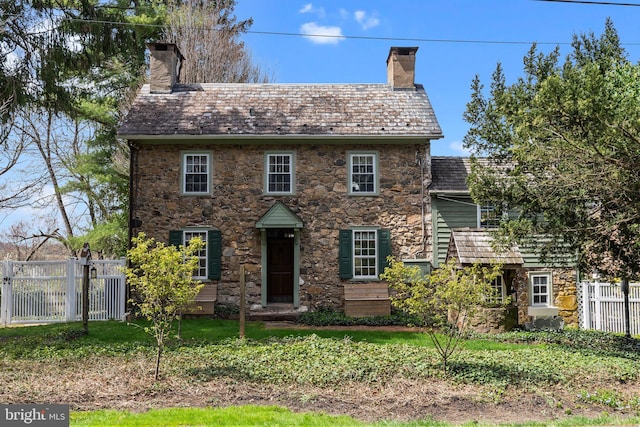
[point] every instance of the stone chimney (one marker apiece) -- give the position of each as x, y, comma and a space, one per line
401, 67
165, 63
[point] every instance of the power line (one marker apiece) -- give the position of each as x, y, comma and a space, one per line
424, 40
403, 39
606, 3
349, 37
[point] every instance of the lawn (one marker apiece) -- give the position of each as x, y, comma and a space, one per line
366, 377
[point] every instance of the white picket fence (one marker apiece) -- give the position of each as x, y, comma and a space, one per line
602, 307
51, 291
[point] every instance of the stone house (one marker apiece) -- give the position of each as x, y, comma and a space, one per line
308, 186
544, 294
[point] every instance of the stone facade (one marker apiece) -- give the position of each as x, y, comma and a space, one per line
564, 294
493, 320
238, 201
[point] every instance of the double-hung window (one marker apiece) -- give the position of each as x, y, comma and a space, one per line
540, 287
489, 215
209, 257
196, 173
497, 290
279, 173
363, 253
363, 173
201, 272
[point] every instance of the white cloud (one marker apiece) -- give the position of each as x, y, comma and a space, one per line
314, 32
365, 21
459, 148
308, 8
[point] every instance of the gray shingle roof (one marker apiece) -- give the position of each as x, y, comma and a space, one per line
449, 174
473, 245
234, 109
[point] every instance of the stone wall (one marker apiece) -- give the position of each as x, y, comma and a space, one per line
493, 320
320, 200
564, 294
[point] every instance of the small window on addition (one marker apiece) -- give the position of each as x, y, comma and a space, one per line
489, 215
498, 292
540, 289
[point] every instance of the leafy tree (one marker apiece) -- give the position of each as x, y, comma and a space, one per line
444, 301
73, 64
77, 65
564, 144
161, 277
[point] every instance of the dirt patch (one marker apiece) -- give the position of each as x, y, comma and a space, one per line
126, 384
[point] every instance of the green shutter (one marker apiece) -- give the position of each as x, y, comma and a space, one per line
175, 238
346, 254
384, 249
214, 254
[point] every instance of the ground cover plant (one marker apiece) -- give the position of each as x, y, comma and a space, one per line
369, 374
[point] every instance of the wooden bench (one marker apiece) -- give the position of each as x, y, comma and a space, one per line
366, 299
206, 300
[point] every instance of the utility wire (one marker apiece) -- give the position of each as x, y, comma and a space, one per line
422, 40
606, 3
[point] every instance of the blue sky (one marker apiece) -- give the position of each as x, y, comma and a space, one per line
457, 39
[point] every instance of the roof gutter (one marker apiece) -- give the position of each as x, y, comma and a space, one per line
273, 136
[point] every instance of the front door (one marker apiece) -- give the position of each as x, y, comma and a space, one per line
280, 243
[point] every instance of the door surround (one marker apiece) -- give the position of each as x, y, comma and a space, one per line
281, 217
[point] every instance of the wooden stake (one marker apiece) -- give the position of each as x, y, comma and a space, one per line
242, 303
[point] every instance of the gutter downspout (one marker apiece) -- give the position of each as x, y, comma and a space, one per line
424, 162
133, 164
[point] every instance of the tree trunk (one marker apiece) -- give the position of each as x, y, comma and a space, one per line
157, 375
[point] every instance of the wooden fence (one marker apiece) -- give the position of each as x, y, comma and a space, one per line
602, 307
51, 291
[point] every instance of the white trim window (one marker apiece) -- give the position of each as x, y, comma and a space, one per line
279, 173
196, 173
498, 290
365, 254
363, 173
488, 215
540, 288
202, 272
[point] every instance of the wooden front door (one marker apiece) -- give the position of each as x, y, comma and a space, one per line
280, 265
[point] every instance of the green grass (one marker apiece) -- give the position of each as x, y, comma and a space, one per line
214, 331
252, 415
221, 417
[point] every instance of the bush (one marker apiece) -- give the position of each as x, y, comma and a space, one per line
328, 317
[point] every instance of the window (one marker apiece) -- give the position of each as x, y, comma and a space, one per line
196, 173
489, 215
363, 253
210, 256
363, 176
540, 289
497, 286
202, 253
279, 173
